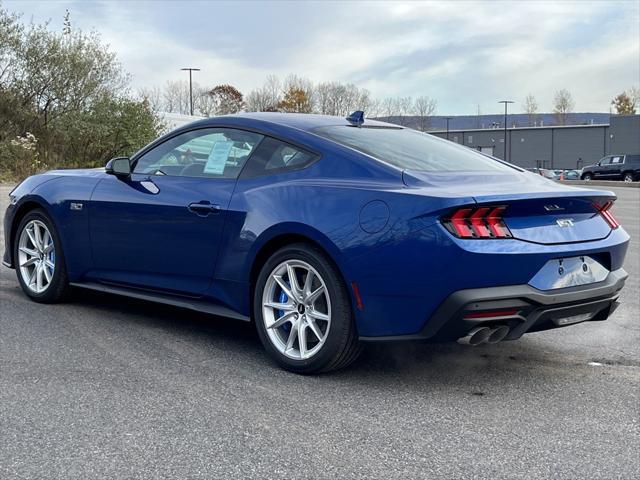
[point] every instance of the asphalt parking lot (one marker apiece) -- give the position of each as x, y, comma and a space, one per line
107, 387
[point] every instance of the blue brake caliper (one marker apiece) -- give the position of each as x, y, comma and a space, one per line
283, 299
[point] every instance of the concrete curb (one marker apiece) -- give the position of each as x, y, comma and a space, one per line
601, 183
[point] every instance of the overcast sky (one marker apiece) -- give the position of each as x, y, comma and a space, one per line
461, 53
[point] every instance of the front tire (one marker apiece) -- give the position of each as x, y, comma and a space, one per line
303, 313
587, 177
628, 177
39, 260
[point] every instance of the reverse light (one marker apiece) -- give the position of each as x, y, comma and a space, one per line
478, 223
604, 211
491, 314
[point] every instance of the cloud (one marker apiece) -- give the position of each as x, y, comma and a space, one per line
462, 53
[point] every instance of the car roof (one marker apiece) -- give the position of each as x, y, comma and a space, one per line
300, 121
271, 123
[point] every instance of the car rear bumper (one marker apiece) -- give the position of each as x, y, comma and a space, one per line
528, 309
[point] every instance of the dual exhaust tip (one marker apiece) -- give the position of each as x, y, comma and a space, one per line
481, 335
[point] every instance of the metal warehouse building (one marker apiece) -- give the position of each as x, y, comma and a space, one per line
557, 147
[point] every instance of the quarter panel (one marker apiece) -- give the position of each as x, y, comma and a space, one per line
324, 209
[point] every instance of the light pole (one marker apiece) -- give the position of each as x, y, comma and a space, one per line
506, 102
190, 87
447, 119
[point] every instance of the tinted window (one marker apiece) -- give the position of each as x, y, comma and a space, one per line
210, 152
410, 149
615, 160
274, 156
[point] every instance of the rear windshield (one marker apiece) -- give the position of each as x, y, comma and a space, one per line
411, 150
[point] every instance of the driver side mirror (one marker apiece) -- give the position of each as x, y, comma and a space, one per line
120, 167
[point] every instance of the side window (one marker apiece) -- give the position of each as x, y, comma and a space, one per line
605, 161
274, 156
209, 152
616, 160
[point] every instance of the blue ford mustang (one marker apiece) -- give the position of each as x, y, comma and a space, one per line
326, 232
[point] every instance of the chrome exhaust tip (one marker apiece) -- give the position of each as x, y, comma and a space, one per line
498, 334
476, 336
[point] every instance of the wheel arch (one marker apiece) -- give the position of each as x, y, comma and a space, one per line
279, 240
276, 239
22, 210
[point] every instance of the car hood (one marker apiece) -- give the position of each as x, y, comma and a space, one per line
77, 172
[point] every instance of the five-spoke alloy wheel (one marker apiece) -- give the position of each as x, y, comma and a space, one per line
303, 311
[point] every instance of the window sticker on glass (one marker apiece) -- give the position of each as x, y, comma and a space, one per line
218, 157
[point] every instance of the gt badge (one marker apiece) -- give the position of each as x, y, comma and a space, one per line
565, 222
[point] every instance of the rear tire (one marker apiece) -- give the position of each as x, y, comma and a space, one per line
39, 259
317, 308
628, 177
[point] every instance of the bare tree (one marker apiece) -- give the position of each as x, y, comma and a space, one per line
562, 106
363, 101
373, 108
333, 98
176, 97
272, 90
389, 108
203, 102
265, 98
530, 106
405, 106
424, 108
153, 96
255, 101
324, 92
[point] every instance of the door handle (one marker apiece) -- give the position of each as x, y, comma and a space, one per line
204, 208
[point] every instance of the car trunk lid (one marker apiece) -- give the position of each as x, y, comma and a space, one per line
537, 210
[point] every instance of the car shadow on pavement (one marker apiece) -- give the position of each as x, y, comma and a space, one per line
205, 345
388, 360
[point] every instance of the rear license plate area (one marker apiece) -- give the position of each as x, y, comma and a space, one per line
569, 272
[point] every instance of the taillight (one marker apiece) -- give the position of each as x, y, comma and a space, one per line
478, 222
604, 211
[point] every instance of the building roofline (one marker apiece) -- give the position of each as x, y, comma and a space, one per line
501, 129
